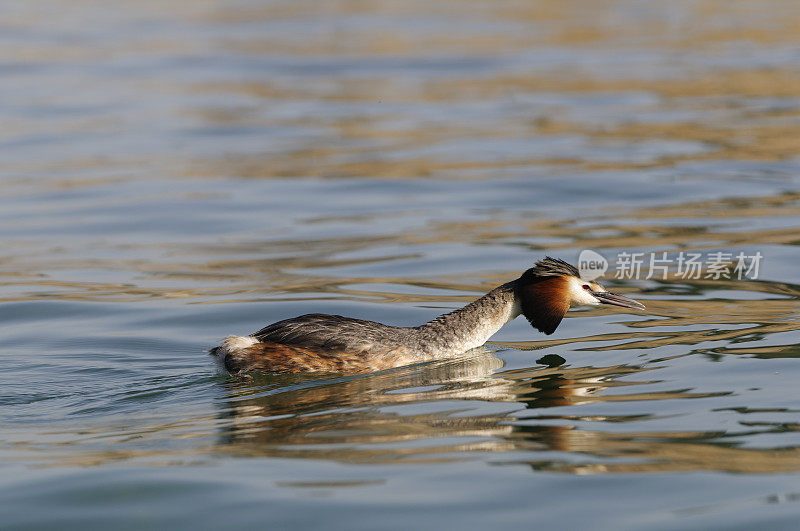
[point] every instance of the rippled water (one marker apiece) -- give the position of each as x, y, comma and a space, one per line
175, 173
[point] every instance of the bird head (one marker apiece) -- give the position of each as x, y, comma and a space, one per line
551, 287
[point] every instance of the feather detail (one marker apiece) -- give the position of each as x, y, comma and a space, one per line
544, 301
553, 267
277, 358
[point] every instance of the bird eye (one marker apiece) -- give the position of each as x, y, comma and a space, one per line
586, 287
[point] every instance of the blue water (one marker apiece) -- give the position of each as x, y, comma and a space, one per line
175, 174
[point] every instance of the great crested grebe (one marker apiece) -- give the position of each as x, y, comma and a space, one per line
332, 343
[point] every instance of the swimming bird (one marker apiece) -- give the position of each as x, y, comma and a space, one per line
331, 343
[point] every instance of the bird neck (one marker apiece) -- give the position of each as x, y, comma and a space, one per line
471, 326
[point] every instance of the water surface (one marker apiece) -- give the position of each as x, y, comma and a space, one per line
175, 174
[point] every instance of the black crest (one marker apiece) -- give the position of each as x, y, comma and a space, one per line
552, 267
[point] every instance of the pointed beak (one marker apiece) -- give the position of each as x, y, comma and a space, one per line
606, 297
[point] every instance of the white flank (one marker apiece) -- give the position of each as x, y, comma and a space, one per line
233, 344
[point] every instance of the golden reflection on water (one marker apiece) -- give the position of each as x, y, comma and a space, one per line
380, 143
701, 65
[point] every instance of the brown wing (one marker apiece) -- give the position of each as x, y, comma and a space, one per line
272, 357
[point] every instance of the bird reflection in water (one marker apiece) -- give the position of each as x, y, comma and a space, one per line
348, 418
414, 414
